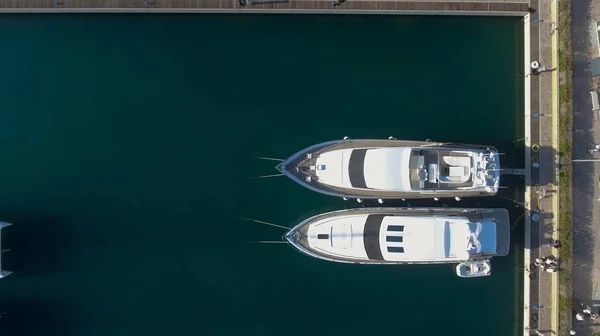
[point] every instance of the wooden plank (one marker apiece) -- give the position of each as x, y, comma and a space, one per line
185, 4
372, 5
129, 4
163, 4
211, 4
484, 6
96, 4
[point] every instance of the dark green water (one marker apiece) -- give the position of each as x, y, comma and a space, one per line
126, 145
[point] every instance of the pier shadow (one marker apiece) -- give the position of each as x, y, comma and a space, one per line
34, 317
547, 152
542, 158
548, 215
36, 244
541, 232
39, 246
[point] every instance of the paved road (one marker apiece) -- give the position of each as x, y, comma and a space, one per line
586, 210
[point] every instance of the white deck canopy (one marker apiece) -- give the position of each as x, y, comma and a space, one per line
387, 169
377, 168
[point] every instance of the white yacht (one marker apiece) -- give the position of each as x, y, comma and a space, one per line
468, 237
394, 169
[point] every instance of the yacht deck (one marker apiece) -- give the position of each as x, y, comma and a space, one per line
474, 215
429, 190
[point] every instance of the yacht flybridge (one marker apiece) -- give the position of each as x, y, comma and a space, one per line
394, 169
467, 237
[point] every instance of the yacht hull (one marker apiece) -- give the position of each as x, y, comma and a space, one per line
300, 167
298, 236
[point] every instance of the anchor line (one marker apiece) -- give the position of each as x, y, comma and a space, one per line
267, 158
515, 224
265, 223
522, 205
265, 176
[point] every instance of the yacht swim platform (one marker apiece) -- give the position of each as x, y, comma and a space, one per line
395, 169
404, 235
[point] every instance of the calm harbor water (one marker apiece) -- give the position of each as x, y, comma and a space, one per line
127, 143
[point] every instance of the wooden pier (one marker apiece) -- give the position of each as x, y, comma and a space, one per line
465, 7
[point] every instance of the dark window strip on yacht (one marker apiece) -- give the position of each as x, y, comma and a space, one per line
371, 236
397, 228
356, 168
322, 236
395, 249
395, 239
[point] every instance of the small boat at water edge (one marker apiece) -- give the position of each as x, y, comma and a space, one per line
395, 169
393, 236
473, 269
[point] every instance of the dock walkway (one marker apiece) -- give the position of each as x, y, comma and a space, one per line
542, 160
463, 7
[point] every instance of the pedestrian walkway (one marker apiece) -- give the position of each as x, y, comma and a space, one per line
541, 302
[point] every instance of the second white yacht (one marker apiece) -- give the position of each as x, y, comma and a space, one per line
468, 237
